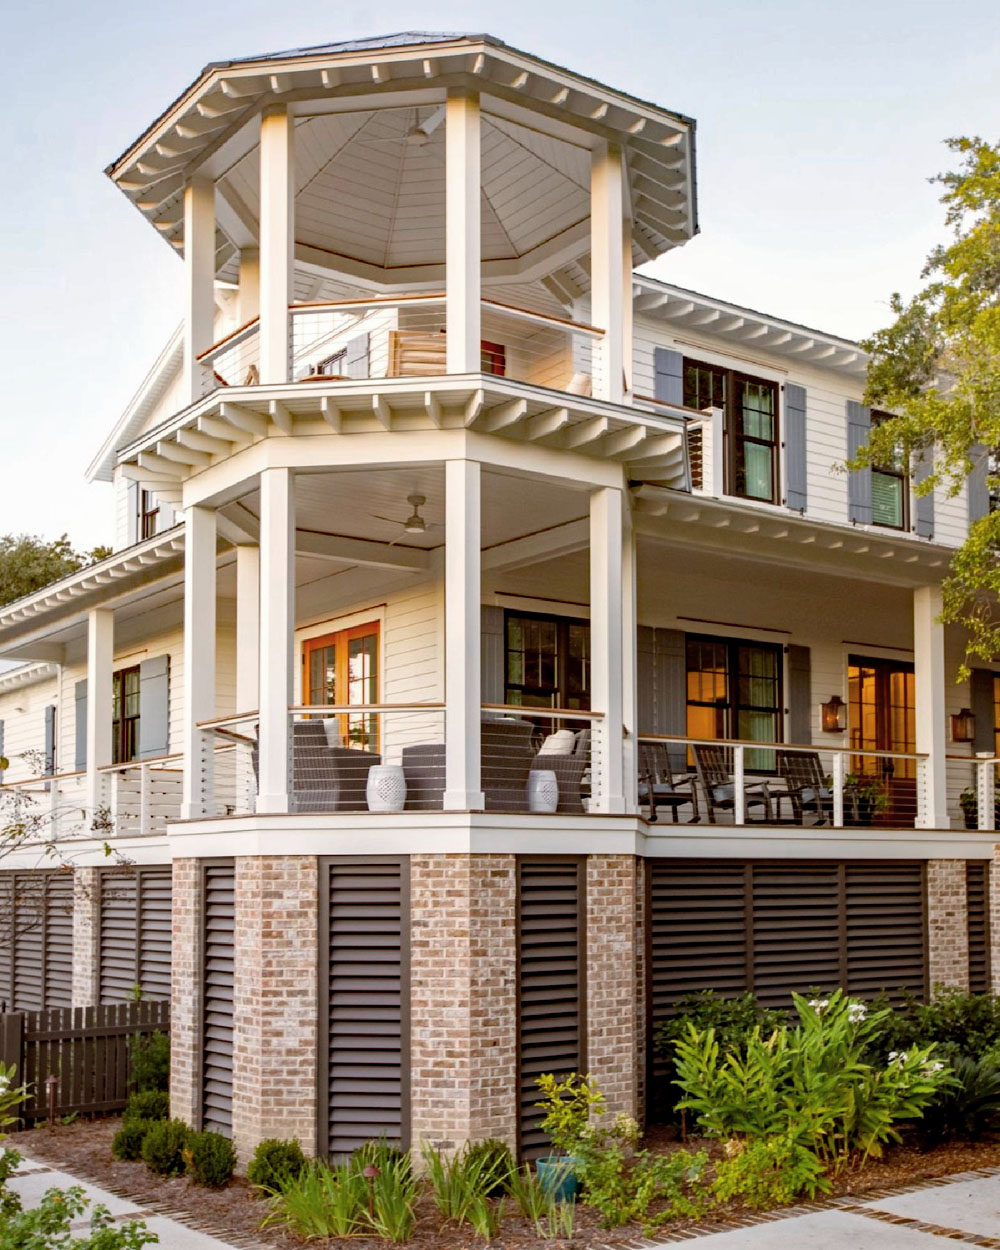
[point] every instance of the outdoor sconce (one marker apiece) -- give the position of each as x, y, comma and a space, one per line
834, 715
963, 726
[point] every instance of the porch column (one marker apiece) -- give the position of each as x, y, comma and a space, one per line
100, 669
463, 245
928, 660
606, 637
249, 284
277, 635
463, 789
247, 660
630, 664
199, 659
199, 268
277, 240
607, 269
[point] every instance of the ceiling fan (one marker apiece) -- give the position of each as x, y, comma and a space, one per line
414, 523
419, 133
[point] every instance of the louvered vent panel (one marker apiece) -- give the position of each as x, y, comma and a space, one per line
155, 894
6, 941
118, 936
59, 939
217, 1032
29, 941
885, 929
796, 930
550, 954
977, 885
368, 1003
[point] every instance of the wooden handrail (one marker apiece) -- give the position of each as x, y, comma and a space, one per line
561, 713
233, 334
784, 746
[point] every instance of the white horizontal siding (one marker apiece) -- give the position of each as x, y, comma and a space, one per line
23, 714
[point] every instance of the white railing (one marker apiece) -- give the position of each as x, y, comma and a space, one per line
142, 796
47, 807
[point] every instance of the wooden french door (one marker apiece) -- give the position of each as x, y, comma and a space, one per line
882, 717
343, 668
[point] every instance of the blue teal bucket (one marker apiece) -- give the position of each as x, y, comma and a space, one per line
557, 1177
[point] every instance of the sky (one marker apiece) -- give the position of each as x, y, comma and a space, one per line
820, 123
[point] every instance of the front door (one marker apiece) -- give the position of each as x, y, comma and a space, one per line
341, 669
882, 713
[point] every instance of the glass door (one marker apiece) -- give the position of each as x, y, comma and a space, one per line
342, 668
882, 717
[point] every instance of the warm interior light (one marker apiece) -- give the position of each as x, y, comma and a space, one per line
834, 715
963, 726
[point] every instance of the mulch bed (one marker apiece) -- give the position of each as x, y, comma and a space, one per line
234, 1214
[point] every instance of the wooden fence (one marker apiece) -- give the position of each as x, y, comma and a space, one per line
85, 1048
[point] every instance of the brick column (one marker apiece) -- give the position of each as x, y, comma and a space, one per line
185, 992
275, 1001
615, 1010
463, 961
86, 937
947, 924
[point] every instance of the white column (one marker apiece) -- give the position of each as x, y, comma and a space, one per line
463, 247
199, 267
928, 660
629, 663
277, 239
100, 669
247, 628
606, 619
199, 660
462, 690
277, 635
249, 284
607, 268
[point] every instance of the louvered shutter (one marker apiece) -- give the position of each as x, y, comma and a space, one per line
6, 941
977, 487
923, 466
356, 359
646, 679
796, 930
886, 925
50, 740
977, 892
154, 707
551, 944
981, 705
671, 681
80, 705
799, 695
217, 1030
366, 971
132, 505
668, 376
493, 654
859, 481
154, 912
29, 941
58, 991
796, 490
118, 938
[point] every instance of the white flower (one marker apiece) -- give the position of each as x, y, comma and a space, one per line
819, 1005
934, 1066
897, 1057
856, 1012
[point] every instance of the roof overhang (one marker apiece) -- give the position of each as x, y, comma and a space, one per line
26, 675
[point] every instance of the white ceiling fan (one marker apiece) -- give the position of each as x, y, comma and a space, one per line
414, 523
420, 132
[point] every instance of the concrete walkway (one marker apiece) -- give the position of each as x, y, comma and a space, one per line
34, 1177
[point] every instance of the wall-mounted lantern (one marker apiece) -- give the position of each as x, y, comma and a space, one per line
963, 726
834, 715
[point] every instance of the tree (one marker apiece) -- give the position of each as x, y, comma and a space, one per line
28, 562
936, 368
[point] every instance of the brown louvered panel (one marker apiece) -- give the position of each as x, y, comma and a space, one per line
29, 941
796, 925
59, 939
118, 936
977, 886
217, 1020
366, 909
885, 929
551, 946
155, 894
6, 941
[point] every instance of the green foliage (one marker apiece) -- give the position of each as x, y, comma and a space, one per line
147, 1104
500, 1159
969, 1106
379, 1153
164, 1145
768, 1172
393, 1199
127, 1141
460, 1183
486, 1217
149, 1058
274, 1162
810, 1083
320, 1201
969, 1023
47, 1226
210, 1159
28, 562
569, 1106
531, 1196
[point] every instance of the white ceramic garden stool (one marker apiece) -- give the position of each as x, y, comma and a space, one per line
543, 790
386, 790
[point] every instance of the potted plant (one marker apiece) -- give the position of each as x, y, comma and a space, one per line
969, 802
868, 796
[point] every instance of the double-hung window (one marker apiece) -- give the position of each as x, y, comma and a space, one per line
750, 406
149, 514
125, 715
547, 661
734, 691
890, 489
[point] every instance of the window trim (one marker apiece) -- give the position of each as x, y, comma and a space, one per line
119, 730
901, 475
732, 645
563, 624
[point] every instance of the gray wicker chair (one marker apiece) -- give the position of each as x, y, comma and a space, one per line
325, 778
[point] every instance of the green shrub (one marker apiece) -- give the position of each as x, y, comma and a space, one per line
274, 1162
210, 1159
320, 1201
770, 1172
500, 1162
127, 1141
969, 1105
163, 1147
460, 1182
970, 1023
149, 1056
379, 1153
147, 1104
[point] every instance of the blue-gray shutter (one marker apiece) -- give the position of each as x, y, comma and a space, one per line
132, 496
356, 360
668, 376
977, 487
795, 447
671, 681
154, 707
646, 679
493, 659
799, 695
981, 706
859, 481
80, 691
50, 740
923, 466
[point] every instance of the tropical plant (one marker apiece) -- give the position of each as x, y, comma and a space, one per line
768, 1172
210, 1159
320, 1201
969, 1106
274, 1162
164, 1145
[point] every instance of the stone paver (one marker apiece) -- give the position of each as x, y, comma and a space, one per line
820, 1230
972, 1206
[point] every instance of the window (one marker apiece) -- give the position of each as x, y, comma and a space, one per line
334, 366
882, 715
734, 691
492, 358
125, 715
341, 669
149, 514
890, 489
548, 661
750, 406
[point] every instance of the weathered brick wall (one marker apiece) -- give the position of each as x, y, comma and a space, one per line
463, 999
947, 924
614, 1008
86, 936
185, 992
275, 1001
